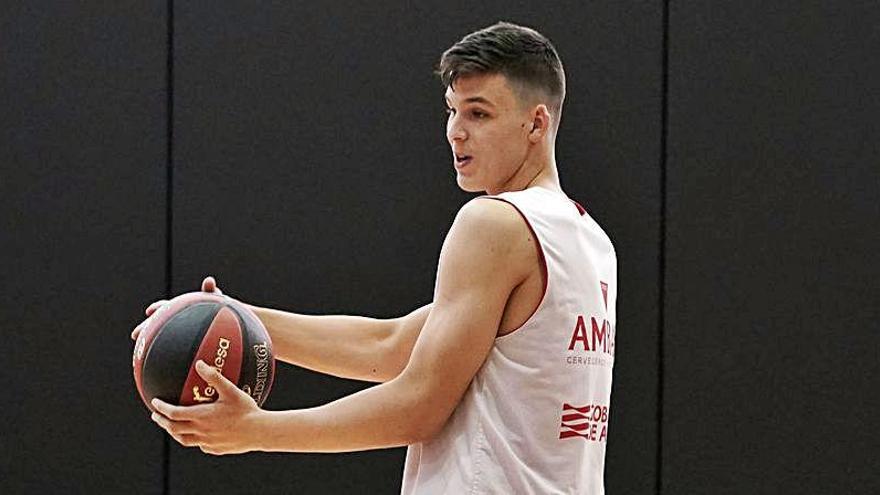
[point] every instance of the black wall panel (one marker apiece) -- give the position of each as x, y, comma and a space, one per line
771, 282
312, 174
82, 224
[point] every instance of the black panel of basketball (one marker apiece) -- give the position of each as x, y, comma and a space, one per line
170, 357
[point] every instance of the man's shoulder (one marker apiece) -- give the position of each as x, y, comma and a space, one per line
489, 247
495, 228
489, 217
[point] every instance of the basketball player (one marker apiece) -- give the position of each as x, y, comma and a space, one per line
501, 384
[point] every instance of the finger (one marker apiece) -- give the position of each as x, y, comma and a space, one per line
209, 284
175, 428
209, 450
188, 440
213, 449
153, 307
215, 379
177, 413
136, 332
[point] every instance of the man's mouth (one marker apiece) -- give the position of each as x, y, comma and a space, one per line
462, 160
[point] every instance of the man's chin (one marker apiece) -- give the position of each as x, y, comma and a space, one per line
467, 185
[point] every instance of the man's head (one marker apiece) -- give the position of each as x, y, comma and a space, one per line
504, 87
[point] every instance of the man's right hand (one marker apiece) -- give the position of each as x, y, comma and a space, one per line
208, 285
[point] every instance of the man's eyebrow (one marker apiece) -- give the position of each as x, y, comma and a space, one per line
474, 99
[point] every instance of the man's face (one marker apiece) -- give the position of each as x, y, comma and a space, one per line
488, 129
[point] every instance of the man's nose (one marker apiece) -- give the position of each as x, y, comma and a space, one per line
454, 131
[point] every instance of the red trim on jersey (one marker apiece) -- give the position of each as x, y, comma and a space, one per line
581, 209
543, 263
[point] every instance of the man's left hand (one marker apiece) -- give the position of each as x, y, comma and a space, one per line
227, 426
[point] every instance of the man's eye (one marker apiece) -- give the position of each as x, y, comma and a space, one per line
478, 114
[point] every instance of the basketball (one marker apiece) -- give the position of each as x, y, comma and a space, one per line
220, 331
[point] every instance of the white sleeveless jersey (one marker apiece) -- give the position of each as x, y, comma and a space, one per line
534, 420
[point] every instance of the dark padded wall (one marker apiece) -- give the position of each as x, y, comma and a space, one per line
312, 174
771, 331
82, 223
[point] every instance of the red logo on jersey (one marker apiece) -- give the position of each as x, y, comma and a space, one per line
589, 422
601, 338
604, 293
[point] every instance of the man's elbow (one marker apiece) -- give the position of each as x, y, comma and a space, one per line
422, 432
395, 350
426, 421
424, 435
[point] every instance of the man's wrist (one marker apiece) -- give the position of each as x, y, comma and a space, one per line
262, 431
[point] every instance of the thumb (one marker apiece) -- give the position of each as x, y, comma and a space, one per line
227, 389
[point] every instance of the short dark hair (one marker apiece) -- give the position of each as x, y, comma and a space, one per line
523, 55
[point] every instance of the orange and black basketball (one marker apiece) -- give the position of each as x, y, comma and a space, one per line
220, 331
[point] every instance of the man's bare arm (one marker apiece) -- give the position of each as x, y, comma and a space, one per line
356, 347
487, 253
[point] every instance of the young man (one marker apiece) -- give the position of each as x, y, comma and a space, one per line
502, 384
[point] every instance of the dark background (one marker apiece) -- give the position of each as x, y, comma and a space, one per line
297, 153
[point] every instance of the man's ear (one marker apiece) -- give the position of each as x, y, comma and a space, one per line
540, 125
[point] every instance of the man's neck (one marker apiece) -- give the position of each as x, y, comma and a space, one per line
533, 173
